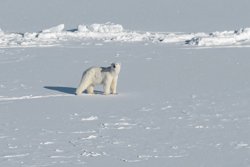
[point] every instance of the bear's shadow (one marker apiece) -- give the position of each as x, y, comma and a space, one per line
68, 90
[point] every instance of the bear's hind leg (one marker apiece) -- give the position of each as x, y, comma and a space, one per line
83, 86
90, 89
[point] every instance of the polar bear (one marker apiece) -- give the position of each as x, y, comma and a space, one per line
106, 76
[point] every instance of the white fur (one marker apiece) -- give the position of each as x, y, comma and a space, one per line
106, 76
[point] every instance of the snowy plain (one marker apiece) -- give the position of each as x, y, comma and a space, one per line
183, 92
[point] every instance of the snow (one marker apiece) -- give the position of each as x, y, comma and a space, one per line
188, 107
29, 97
183, 92
91, 118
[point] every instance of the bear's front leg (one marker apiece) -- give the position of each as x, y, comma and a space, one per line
106, 86
113, 85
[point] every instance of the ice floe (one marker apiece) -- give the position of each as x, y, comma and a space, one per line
108, 32
225, 38
101, 28
56, 29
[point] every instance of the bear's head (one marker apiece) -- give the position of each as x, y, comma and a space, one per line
116, 67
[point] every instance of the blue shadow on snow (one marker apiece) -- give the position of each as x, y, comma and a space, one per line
68, 90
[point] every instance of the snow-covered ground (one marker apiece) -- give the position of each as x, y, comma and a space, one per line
183, 97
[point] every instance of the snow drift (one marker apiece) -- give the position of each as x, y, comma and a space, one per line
114, 32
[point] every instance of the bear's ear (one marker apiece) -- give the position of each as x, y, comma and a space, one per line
113, 65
